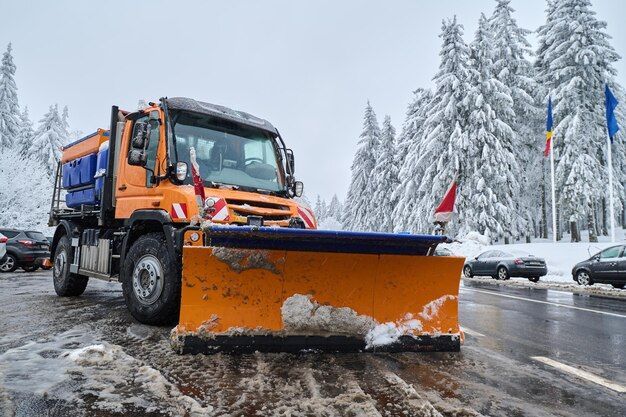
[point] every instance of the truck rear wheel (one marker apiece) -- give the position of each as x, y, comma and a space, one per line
66, 284
151, 281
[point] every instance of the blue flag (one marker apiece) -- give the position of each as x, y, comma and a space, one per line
611, 104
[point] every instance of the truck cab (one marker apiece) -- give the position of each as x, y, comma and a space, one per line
246, 168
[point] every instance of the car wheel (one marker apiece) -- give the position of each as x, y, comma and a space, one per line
503, 274
533, 279
66, 284
9, 264
583, 278
151, 281
619, 286
467, 271
30, 268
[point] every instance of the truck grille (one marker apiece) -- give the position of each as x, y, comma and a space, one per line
269, 211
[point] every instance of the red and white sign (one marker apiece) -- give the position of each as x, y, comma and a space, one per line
220, 211
445, 210
179, 211
307, 216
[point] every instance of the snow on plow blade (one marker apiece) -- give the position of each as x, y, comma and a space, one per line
287, 290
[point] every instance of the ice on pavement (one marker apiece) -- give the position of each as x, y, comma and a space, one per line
74, 365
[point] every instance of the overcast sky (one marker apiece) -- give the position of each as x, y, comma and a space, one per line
308, 67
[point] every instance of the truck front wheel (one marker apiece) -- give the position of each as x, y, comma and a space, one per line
151, 281
66, 284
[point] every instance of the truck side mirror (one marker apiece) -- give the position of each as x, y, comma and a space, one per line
142, 135
137, 157
291, 163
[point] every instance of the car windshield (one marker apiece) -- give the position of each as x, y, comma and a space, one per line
228, 153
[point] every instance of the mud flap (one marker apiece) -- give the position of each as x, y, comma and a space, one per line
292, 290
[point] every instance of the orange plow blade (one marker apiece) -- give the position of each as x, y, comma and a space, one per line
260, 290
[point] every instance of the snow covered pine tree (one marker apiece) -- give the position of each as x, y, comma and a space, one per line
385, 177
48, 139
359, 209
577, 59
444, 146
511, 67
407, 156
9, 107
493, 186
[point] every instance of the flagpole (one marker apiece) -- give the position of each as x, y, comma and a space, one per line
553, 192
610, 167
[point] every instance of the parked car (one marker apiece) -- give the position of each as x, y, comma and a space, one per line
504, 265
607, 267
26, 249
3, 247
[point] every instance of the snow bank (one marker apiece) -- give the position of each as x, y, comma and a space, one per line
301, 314
329, 223
560, 257
390, 332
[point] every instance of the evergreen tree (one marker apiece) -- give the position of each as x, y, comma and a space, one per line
408, 154
511, 66
48, 139
25, 134
320, 209
335, 208
9, 108
579, 59
444, 143
385, 177
492, 188
358, 214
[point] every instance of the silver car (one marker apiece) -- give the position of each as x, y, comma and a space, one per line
504, 265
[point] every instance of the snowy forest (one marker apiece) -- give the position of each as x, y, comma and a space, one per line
483, 122
28, 154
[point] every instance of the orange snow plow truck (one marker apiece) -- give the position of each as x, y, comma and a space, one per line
193, 208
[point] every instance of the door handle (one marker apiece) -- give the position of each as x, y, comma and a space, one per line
122, 187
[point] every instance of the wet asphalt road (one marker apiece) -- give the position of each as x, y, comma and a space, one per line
494, 374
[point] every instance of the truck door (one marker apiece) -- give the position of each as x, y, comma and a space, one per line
605, 268
135, 189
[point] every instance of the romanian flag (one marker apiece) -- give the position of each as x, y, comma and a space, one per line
549, 128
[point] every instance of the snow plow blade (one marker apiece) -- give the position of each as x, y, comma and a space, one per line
286, 290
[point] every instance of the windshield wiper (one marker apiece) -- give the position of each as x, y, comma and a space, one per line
214, 184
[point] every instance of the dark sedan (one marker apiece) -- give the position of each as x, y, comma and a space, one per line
25, 249
607, 267
504, 265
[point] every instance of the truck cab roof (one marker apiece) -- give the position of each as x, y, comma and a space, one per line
221, 112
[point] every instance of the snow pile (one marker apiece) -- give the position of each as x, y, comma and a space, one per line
301, 314
99, 372
330, 223
243, 259
468, 246
390, 332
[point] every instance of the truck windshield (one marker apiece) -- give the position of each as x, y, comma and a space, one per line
228, 153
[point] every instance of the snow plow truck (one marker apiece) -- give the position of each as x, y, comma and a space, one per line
194, 209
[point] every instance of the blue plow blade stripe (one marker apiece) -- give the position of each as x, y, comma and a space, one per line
307, 240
